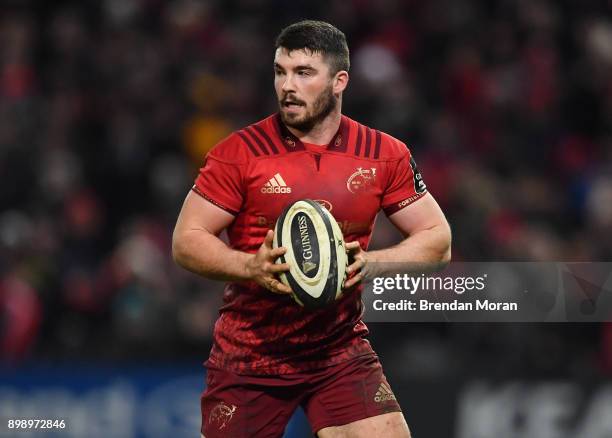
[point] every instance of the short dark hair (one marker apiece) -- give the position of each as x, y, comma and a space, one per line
317, 37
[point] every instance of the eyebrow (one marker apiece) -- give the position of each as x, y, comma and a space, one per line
297, 67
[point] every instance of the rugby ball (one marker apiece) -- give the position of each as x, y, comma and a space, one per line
315, 253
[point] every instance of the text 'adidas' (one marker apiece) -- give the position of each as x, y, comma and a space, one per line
276, 184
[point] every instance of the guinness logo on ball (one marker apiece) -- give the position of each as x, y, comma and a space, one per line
305, 243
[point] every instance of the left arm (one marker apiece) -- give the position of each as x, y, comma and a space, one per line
427, 242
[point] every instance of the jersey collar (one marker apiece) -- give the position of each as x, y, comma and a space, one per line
338, 142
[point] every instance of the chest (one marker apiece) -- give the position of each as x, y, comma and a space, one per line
349, 187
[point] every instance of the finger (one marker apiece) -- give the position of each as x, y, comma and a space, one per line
277, 252
279, 288
352, 246
357, 265
275, 268
353, 281
269, 239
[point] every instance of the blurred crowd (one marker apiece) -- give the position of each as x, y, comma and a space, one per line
107, 109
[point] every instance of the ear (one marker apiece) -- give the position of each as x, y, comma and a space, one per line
340, 81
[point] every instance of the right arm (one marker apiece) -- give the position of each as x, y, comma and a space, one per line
197, 248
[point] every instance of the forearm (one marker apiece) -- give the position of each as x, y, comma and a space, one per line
205, 254
426, 250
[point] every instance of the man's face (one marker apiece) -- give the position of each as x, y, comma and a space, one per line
304, 88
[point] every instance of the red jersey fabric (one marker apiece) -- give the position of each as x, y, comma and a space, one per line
254, 174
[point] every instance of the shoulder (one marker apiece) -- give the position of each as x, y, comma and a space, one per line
375, 144
393, 148
250, 142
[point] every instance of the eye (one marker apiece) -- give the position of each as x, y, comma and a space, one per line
303, 73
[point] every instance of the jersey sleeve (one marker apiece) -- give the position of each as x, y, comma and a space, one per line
221, 178
405, 184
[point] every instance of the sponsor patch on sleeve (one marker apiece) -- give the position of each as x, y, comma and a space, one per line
419, 184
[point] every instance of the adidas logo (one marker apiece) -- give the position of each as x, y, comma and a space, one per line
383, 394
276, 184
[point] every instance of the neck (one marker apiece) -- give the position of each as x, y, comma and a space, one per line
322, 132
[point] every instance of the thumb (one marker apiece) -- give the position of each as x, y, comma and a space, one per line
269, 239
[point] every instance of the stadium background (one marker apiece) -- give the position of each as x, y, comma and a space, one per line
108, 107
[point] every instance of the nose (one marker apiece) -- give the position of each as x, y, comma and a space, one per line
288, 85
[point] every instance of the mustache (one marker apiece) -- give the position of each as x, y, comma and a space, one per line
289, 99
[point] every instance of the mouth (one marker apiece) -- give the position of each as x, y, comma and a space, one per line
291, 104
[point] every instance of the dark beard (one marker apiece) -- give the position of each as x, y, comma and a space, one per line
322, 107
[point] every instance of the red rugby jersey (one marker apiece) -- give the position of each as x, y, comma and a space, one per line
254, 174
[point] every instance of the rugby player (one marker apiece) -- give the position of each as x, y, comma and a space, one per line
270, 355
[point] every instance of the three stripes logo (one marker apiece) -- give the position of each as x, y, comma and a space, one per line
383, 394
276, 184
